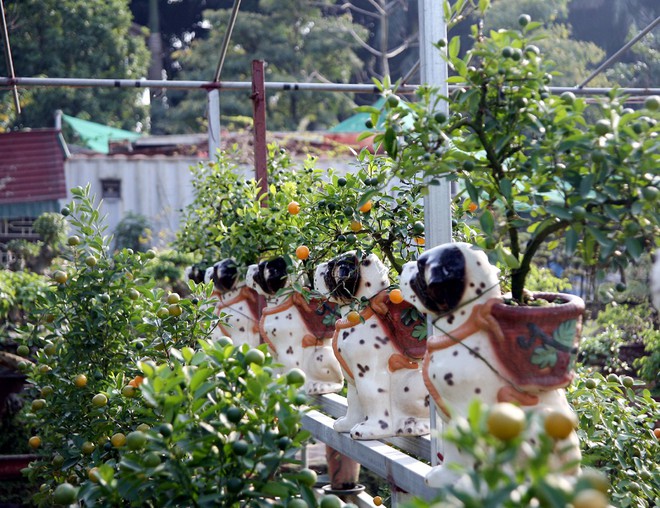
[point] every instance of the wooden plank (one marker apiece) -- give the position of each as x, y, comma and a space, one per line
399, 469
335, 406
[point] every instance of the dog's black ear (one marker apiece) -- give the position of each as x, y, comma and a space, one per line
197, 273
260, 277
276, 274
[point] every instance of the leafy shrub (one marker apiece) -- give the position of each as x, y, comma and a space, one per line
19, 292
99, 313
51, 227
133, 232
616, 326
543, 279
501, 479
337, 212
228, 430
37, 256
129, 411
616, 422
167, 270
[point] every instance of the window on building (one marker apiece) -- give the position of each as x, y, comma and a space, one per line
110, 188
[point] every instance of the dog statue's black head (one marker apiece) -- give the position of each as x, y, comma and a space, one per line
448, 276
225, 274
271, 275
342, 277
195, 273
440, 280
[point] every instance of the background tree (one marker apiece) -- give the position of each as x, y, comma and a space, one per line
75, 38
298, 40
573, 57
388, 48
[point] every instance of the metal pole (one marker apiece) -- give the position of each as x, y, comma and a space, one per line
225, 40
8, 57
616, 55
437, 203
213, 102
58, 119
224, 86
259, 116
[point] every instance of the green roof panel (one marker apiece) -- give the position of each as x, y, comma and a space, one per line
97, 136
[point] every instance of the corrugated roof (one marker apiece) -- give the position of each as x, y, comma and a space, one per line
31, 166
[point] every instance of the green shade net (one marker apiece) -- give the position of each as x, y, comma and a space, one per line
97, 136
357, 122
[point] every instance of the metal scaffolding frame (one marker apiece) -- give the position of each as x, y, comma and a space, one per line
292, 86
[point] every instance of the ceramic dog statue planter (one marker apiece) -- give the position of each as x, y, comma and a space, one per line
298, 332
456, 285
238, 302
381, 361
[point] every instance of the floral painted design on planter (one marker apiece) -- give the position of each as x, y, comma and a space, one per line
238, 302
456, 285
380, 357
298, 332
536, 347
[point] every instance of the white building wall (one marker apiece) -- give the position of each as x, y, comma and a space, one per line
156, 187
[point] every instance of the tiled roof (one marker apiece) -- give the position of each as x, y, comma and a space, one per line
31, 166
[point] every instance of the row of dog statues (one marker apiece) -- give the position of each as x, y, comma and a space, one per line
391, 373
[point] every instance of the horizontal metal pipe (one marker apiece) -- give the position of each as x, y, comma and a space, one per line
273, 85
192, 85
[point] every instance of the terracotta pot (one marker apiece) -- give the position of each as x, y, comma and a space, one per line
342, 470
537, 345
11, 465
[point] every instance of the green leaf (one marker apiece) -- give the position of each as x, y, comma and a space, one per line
586, 185
505, 188
365, 135
487, 222
367, 196
571, 239
507, 258
472, 192
559, 211
275, 489
635, 247
389, 142
565, 333
454, 47
599, 236
460, 67
544, 357
200, 375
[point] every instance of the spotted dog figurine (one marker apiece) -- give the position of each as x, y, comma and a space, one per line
238, 302
386, 394
455, 284
298, 332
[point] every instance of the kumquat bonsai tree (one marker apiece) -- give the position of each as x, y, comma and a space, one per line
534, 168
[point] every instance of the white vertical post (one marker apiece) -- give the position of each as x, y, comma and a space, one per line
213, 123
437, 204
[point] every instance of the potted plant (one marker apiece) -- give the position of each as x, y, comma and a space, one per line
533, 169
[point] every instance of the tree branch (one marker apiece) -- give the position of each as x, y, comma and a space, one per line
350, 7
364, 45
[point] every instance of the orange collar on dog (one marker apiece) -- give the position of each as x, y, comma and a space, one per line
480, 319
